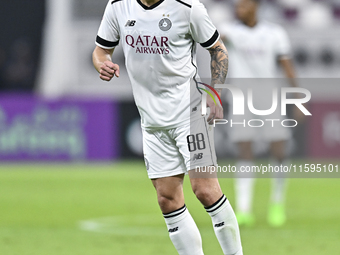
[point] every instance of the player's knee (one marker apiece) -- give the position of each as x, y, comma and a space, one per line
204, 195
245, 151
163, 201
168, 202
246, 154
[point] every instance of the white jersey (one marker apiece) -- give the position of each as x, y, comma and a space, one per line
159, 44
253, 51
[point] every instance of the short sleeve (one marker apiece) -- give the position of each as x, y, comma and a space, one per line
108, 33
283, 47
202, 29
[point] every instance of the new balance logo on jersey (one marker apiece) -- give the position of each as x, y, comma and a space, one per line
130, 23
172, 230
219, 225
198, 156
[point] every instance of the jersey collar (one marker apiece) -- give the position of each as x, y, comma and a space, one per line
150, 7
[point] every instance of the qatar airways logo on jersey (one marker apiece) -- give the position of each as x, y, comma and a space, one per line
147, 44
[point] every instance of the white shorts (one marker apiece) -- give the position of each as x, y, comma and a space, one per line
272, 129
176, 151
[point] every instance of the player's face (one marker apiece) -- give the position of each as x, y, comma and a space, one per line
245, 8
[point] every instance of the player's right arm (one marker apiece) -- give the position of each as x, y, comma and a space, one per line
102, 61
107, 39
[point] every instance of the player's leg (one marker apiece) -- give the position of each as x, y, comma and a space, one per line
182, 229
244, 184
197, 148
207, 189
278, 136
276, 213
166, 169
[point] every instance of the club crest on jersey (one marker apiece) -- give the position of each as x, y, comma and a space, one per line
165, 24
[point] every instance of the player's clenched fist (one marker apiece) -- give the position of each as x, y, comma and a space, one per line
216, 111
108, 70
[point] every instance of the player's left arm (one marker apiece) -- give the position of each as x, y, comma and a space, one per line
288, 67
219, 69
203, 31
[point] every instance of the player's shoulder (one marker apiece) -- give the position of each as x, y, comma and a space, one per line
233, 27
184, 3
112, 2
189, 4
235, 24
118, 4
273, 27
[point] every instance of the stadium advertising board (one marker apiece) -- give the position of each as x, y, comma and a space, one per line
33, 129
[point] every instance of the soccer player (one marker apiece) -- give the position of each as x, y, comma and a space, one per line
159, 41
255, 48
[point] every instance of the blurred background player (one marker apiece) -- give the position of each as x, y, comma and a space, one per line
256, 47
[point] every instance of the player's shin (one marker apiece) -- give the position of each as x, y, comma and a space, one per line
279, 183
183, 232
244, 189
225, 226
276, 213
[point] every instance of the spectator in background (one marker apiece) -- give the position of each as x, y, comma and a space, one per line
2, 66
19, 71
20, 40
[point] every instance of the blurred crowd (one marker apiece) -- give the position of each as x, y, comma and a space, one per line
20, 43
22, 31
307, 13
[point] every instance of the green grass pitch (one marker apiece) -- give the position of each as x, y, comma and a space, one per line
102, 209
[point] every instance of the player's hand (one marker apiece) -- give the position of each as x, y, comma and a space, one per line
298, 115
216, 111
108, 70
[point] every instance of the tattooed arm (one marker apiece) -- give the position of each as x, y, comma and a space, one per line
219, 64
219, 70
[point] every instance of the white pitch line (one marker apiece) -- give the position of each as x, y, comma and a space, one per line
121, 225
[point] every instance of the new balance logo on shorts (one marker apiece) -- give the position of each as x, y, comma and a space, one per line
172, 230
198, 156
130, 23
219, 225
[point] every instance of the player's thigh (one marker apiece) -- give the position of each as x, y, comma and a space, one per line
274, 131
278, 149
245, 150
196, 144
161, 154
239, 130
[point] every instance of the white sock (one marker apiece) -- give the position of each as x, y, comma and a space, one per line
244, 187
225, 226
183, 232
279, 184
